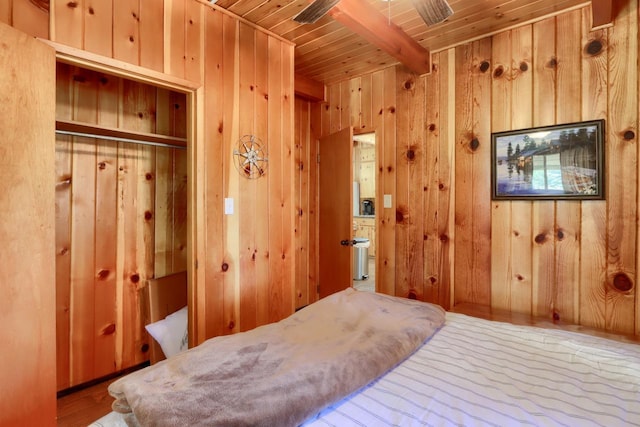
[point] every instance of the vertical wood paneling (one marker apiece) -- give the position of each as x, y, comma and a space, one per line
622, 140
249, 222
126, 30
69, 23
386, 227
433, 122
215, 259
285, 305
545, 63
480, 145
593, 242
64, 148
568, 212
97, 299
83, 229
174, 37
409, 191
302, 202
355, 106
99, 16
187, 39
151, 34
557, 259
230, 135
194, 33
521, 118
261, 200
501, 226
464, 214
105, 246
5, 12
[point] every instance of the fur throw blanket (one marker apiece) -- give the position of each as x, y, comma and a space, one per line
283, 373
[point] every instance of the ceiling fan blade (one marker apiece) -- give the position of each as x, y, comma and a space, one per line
433, 11
314, 11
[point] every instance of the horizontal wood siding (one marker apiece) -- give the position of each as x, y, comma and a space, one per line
569, 260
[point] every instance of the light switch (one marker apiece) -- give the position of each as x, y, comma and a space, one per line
228, 206
387, 201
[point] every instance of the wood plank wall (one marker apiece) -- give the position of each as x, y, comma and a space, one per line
246, 264
120, 220
568, 260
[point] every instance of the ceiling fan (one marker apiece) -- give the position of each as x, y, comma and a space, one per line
431, 11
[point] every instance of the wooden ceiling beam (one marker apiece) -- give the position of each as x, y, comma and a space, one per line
363, 19
308, 88
602, 14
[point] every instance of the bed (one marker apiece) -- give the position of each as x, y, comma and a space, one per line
466, 371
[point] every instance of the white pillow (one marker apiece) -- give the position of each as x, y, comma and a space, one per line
171, 332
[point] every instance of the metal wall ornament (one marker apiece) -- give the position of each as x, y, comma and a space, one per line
250, 157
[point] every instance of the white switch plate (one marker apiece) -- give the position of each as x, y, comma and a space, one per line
228, 206
387, 200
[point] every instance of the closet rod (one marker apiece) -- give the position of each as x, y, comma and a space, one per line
73, 128
119, 139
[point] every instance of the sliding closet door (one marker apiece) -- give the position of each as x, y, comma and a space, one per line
27, 250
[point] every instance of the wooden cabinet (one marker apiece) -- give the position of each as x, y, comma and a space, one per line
365, 169
366, 227
367, 180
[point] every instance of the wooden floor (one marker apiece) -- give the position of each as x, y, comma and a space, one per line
81, 408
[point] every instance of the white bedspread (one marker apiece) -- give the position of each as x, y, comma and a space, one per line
475, 372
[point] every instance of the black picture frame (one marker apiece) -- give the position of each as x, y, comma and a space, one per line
559, 162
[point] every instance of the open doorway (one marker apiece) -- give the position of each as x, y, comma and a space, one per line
364, 215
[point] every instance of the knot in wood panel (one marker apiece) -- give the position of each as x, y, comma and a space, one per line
498, 72
399, 215
411, 154
541, 238
108, 330
622, 282
224, 266
629, 135
103, 274
135, 278
474, 144
593, 48
431, 127
484, 66
412, 295
552, 63
409, 84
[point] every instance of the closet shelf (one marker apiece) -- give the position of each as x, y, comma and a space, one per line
67, 127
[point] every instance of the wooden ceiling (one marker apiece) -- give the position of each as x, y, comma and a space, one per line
328, 51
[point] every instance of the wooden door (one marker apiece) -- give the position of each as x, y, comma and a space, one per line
27, 269
335, 213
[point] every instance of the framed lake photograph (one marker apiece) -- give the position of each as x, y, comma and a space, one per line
552, 162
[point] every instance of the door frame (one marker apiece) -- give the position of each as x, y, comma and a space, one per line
195, 168
379, 204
